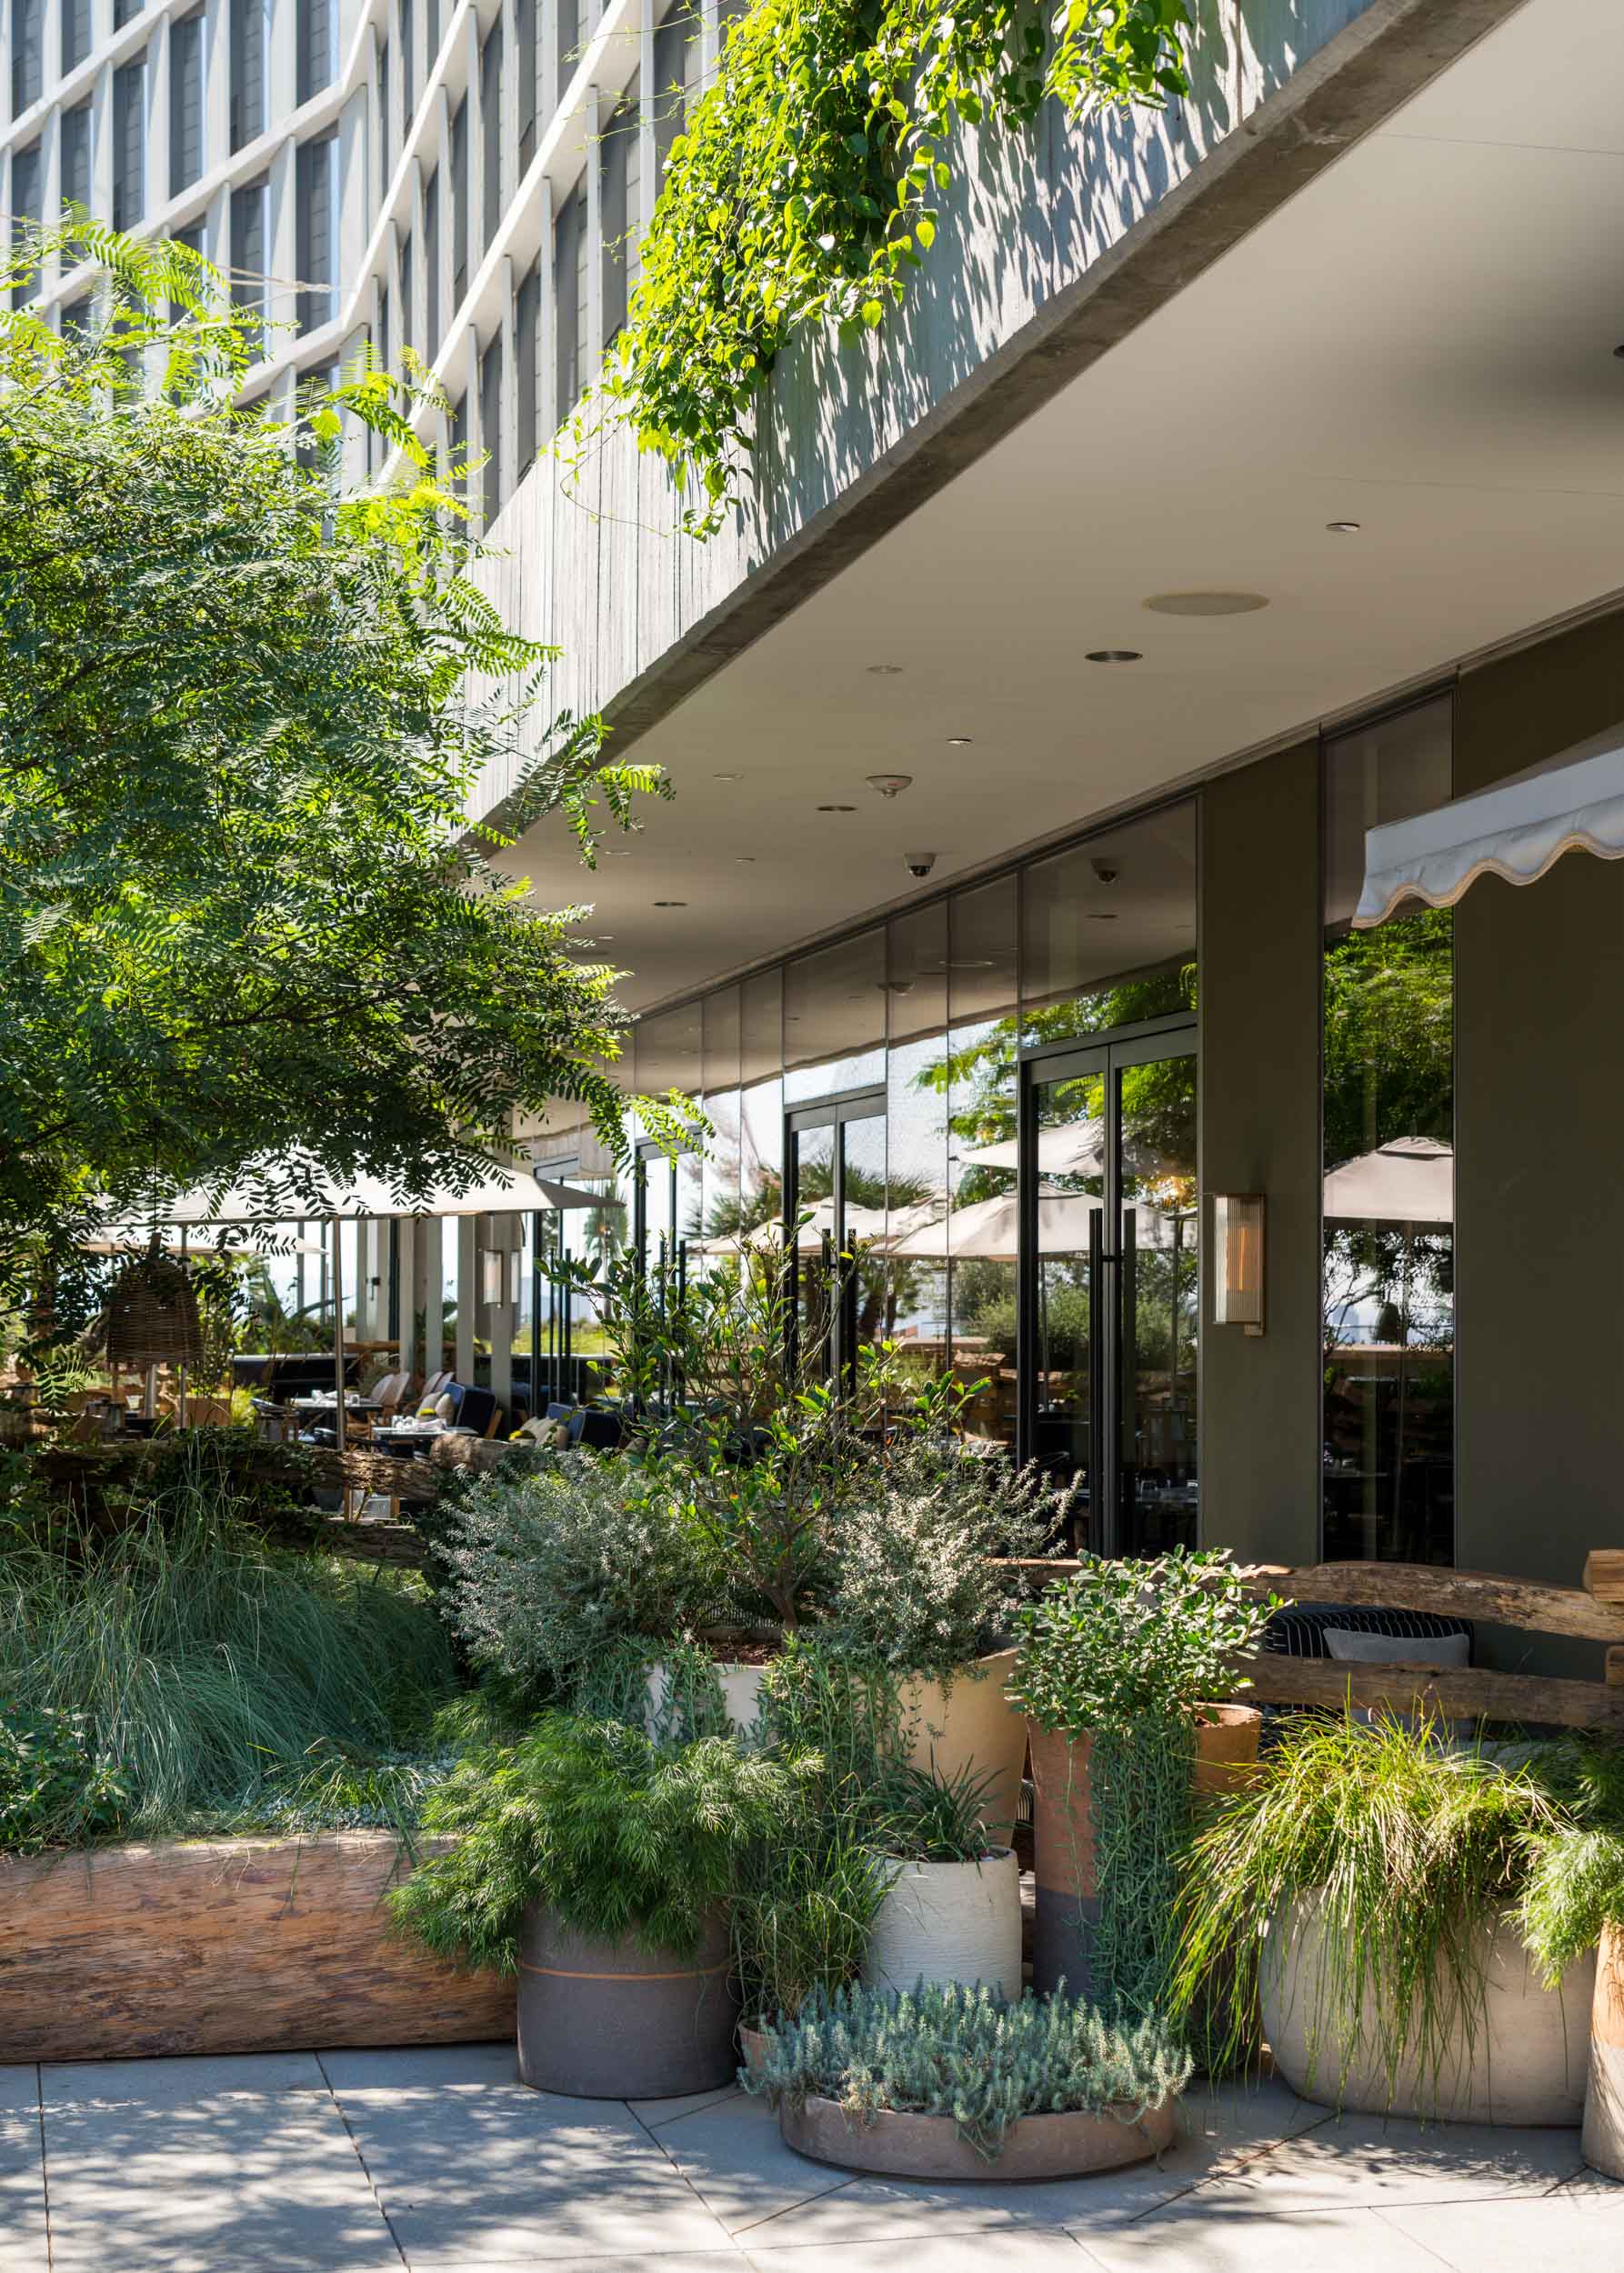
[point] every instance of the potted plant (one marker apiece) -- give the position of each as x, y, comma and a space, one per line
597, 1867
946, 2081
927, 1549
952, 1905
1572, 1904
1125, 1673
1410, 1917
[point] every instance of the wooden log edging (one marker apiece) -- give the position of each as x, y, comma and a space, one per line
1459, 1693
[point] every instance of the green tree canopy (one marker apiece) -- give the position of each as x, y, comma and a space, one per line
242, 710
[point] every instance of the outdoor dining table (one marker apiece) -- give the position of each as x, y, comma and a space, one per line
316, 1405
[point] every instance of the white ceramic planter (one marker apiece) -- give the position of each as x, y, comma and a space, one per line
950, 1922
1602, 2143
741, 1695
1524, 2061
972, 1724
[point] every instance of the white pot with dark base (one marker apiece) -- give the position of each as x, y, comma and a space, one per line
942, 1922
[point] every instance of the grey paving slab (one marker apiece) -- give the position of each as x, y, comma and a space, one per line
177, 2082
662, 2261
503, 2174
1577, 2231
733, 2157
22, 2196
1223, 2239
1355, 2160
946, 2253
19, 2089
235, 2183
656, 2112
422, 2066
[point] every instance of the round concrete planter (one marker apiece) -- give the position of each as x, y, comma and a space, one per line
950, 1922
929, 2147
1067, 1887
1602, 2142
615, 2020
970, 1724
1524, 2061
741, 1696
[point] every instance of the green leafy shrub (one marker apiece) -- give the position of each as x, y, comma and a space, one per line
960, 2052
1407, 1847
201, 1660
613, 1834
914, 1587
926, 1816
1574, 1883
49, 1776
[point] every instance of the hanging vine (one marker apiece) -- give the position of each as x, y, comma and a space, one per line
803, 190
1140, 1777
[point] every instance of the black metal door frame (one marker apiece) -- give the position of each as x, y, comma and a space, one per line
1111, 1278
832, 1112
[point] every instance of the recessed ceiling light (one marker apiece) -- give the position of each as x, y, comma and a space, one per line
965, 963
1205, 603
836, 808
670, 903
1099, 916
1113, 655
745, 860
884, 670
727, 778
960, 741
1344, 528
890, 784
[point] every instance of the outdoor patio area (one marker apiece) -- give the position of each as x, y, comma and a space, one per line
366, 2162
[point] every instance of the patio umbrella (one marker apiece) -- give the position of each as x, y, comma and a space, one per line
1410, 1180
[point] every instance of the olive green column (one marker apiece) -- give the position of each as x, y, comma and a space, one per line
1259, 980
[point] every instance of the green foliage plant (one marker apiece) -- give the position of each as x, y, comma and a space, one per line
1124, 1653
962, 2054
925, 1816
613, 1834
1573, 1880
199, 1662
1408, 1850
245, 706
50, 1776
804, 191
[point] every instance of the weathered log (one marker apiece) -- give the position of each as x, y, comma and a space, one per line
1467, 1693
378, 1473
254, 1944
1604, 1574
373, 1540
1614, 1669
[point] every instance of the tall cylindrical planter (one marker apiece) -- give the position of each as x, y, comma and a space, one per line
1602, 2140
615, 2020
970, 1724
1516, 2052
1068, 1890
950, 1922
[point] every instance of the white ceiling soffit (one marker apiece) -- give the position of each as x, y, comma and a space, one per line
1422, 343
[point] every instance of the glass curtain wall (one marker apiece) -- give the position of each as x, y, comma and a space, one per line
1389, 1166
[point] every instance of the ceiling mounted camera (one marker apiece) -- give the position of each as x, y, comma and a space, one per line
918, 864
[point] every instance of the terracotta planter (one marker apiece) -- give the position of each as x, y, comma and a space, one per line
950, 1922
1068, 1890
251, 1944
752, 2048
971, 1724
929, 2147
1602, 2142
1523, 2061
615, 2020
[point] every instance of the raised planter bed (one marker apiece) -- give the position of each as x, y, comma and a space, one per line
929, 2146
251, 1944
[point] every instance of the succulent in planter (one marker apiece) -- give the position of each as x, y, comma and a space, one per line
981, 2068
583, 1852
1124, 1672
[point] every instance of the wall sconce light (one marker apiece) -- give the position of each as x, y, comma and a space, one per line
501, 1275
1237, 1256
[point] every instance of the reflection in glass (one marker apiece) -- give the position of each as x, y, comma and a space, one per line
1109, 930
1159, 1271
917, 1135
1389, 1198
1070, 1142
812, 1169
860, 1235
835, 1018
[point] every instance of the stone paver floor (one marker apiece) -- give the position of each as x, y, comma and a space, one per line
441, 2162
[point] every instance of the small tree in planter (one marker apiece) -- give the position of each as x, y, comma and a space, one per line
598, 1866
1122, 1672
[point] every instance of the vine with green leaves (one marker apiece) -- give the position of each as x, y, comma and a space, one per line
804, 188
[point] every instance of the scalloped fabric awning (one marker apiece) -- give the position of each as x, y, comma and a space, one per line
1516, 831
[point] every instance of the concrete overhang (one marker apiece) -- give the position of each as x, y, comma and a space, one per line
1417, 336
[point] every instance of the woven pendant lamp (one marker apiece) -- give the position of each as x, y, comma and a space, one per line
152, 1315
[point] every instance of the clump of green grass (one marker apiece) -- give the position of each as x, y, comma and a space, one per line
202, 1666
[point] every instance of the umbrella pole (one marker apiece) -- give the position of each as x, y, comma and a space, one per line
338, 1337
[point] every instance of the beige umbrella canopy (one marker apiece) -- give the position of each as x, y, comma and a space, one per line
1410, 1180
1076, 1149
876, 1228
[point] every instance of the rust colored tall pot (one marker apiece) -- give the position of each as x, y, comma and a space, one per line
1067, 1883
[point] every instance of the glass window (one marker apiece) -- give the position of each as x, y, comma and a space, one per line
185, 102
917, 1116
457, 438
490, 122
313, 26
247, 247
982, 1089
524, 22
527, 323
75, 33
384, 342
721, 1042
408, 65
761, 1100
431, 264
407, 281
675, 76
1109, 929
125, 12
459, 202
246, 104
566, 36
316, 218
835, 1018
568, 252
129, 142
75, 156
490, 426
617, 153
386, 124
1388, 1202
26, 191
